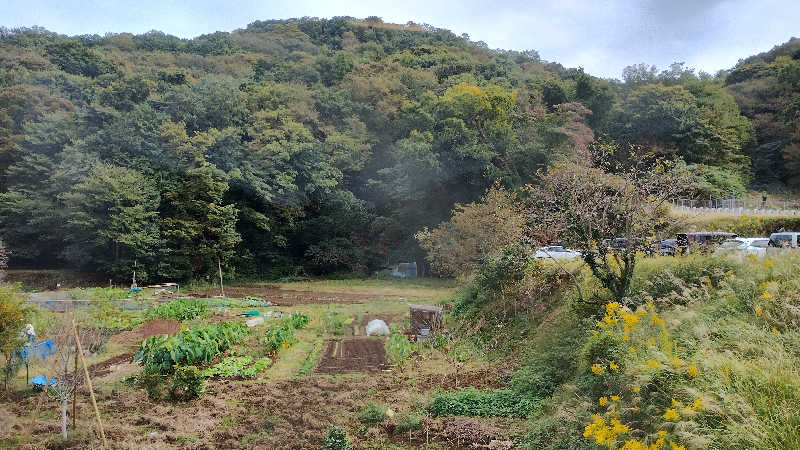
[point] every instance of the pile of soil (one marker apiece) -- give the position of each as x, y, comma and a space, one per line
353, 355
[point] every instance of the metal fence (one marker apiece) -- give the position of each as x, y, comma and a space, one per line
738, 206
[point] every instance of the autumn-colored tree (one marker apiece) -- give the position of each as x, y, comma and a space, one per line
585, 202
474, 231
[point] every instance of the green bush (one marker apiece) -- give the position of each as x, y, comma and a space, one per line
552, 360
373, 413
336, 440
408, 422
278, 337
181, 309
153, 383
186, 383
333, 322
492, 403
398, 349
299, 321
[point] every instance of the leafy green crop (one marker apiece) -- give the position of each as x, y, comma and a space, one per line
237, 366
279, 337
491, 403
181, 309
299, 321
162, 353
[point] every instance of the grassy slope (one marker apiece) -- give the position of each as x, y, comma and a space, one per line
735, 321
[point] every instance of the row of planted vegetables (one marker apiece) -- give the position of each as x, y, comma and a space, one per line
177, 366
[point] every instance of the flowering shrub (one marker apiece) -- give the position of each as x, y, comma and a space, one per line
628, 348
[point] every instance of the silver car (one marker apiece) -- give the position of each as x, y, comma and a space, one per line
744, 246
557, 252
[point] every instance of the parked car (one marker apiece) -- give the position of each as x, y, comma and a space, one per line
557, 252
744, 246
702, 240
664, 247
785, 239
616, 244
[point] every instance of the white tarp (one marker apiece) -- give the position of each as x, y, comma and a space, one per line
377, 327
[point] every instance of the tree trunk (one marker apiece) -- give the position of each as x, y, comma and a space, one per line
64, 403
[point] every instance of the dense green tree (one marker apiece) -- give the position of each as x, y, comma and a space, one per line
112, 220
200, 228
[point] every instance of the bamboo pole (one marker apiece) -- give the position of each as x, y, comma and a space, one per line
36, 411
89, 384
75, 390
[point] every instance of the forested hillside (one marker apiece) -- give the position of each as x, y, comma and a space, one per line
317, 146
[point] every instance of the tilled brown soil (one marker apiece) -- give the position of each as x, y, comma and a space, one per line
353, 355
145, 330
287, 297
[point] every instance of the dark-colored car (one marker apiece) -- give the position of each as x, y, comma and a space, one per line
702, 240
665, 247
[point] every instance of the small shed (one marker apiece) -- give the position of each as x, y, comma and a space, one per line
425, 320
405, 270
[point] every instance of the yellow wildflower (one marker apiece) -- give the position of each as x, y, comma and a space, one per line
615, 398
698, 404
672, 414
774, 330
603, 401
693, 371
766, 295
633, 444
768, 264
652, 363
758, 311
676, 361
633, 350
597, 369
613, 366
636, 389
676, 447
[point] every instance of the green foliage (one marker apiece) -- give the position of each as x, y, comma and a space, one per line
186, 383
398, 349
408, 422
312, 357
374, 413
336, 439
278, 338
237, 366
298, 321
161, 354
491, 403
181, 309
716, 182
333, 322
13, 314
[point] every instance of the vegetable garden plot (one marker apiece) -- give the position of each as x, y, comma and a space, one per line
353, 355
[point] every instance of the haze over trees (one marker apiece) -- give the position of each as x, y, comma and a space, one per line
318, 146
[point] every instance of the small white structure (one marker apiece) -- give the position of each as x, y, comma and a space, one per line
254, 321
377, 327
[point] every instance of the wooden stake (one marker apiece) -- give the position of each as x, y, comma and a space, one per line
75, 391
222, 288
36, 411
89, 384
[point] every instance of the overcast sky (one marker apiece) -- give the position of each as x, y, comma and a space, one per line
602, 36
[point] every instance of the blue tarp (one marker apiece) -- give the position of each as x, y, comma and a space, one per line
41, 350
40, 380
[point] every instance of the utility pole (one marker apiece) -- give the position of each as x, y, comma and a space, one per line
221, 287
